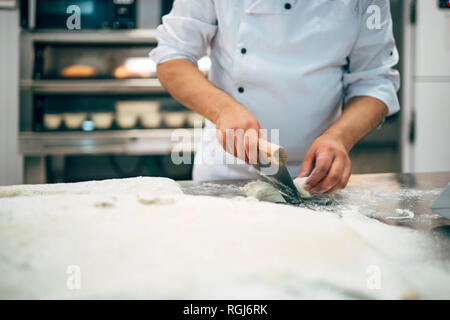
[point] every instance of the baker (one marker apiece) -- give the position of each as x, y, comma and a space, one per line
316, 73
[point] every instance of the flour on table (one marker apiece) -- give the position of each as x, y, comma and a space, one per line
155, 186
194, 247
402, 214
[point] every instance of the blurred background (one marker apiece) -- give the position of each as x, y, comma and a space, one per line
85, 104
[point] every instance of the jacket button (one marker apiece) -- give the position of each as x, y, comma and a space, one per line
241, 90
243, 51
287, 6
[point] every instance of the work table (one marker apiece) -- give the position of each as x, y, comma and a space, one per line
160, 243
396, 199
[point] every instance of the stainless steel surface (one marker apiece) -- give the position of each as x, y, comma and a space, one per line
142, 142
441, 205
94, 86
93, 36
386, 197
10, 160
8, 4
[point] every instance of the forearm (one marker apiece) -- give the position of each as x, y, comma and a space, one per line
188, 85
361, 115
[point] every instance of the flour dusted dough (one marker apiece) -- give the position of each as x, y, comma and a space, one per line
149, 185
196, 247
300, 185
263, 191
266, 192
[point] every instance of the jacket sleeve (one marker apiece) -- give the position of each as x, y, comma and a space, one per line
371, 61
186, 31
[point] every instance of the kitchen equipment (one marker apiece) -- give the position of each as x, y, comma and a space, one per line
174, 119
74, 120
138, 106
103, 120
426, 79
151, 119
127, 120
194, 119
137, 67
441, 205
272, 168
52, 121
94, 14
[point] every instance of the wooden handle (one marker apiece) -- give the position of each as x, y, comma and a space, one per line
272, 153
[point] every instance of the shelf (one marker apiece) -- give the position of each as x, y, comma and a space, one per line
136, 142
94, 86
138, 36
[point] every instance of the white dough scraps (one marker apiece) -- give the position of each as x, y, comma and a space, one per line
263, 191
300, 185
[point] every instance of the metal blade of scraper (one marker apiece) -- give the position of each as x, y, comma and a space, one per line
272, 168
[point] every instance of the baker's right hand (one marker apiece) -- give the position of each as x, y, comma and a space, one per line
238, 131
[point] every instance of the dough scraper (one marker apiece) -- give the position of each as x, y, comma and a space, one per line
441, 205
272, 169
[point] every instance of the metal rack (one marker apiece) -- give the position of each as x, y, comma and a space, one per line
36, 146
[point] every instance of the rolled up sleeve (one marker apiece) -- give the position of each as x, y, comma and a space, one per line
186, 31
370, 69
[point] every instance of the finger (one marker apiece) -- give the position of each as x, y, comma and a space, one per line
220, 135
240, 144
333, 177
230, 142
308, 163
322, 166
251, 146
345, 177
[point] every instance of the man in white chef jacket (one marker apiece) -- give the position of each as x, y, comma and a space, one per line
282, 64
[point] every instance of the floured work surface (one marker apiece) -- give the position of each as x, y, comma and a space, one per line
144, 238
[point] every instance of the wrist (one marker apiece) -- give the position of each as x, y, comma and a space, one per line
224, 106
340, 137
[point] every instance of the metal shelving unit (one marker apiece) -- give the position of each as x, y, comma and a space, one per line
93, 86
37, 145
128, 142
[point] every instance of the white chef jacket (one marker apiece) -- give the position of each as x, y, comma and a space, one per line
290, 62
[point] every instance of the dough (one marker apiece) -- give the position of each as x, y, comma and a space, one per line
78, 71
74, 120
103, 120
174, 119
300, 185
180, 250
266, 192
151, 185
263, 191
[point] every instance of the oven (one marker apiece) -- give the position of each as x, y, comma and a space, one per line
91, 14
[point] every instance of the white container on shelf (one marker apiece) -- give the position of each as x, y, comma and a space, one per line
151, 119
137, 106
103, 120
52, 121
194, 119
74, 120
174, 119
127, 120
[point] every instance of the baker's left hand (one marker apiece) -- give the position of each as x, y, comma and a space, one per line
327, 164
